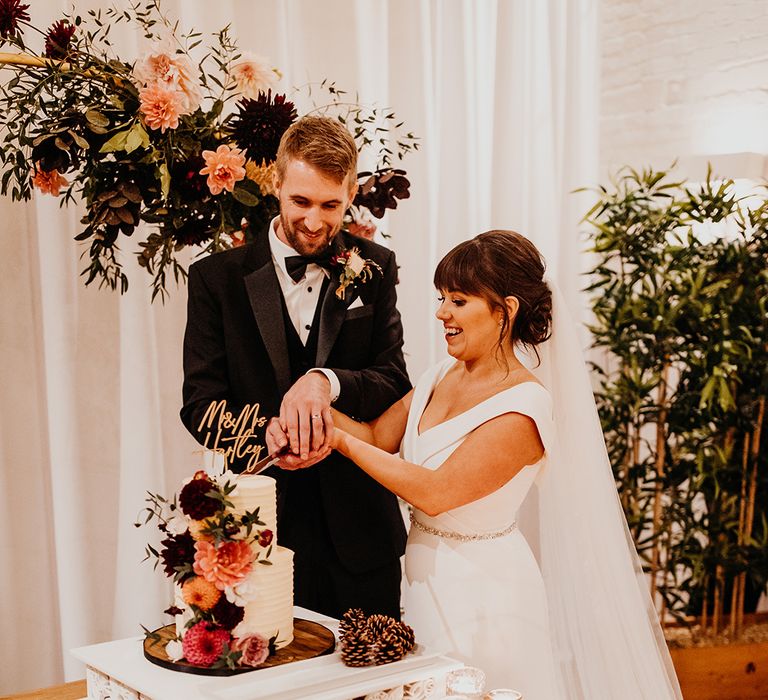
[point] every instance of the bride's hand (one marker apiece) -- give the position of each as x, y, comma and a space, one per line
277, 441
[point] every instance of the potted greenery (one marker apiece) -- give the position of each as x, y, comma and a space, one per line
679, 296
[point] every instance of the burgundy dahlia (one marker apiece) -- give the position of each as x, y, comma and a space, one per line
11, 13
58, 38
177, 550
226, 614
260, 124
194, 499
381, 190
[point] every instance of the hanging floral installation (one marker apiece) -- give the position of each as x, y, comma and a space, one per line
184, 145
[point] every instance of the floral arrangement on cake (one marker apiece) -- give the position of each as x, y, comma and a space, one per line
187, 146
210, 551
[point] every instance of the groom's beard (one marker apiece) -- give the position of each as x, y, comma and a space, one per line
306, 243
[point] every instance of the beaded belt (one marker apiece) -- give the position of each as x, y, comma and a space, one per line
451, 535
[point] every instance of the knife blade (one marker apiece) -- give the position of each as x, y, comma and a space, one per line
265, 463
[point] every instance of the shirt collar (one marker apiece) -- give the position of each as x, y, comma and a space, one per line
280, 251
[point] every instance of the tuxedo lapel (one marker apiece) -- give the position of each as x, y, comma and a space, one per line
264, 296
332, 316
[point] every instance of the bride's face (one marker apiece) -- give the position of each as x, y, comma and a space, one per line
471, 327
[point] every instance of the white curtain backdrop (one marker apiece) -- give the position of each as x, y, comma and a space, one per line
504, 96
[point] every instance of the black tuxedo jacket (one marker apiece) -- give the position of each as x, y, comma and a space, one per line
235, 349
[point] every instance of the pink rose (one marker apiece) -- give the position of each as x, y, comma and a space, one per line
254, 647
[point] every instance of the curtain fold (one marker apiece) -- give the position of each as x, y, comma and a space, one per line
504, 97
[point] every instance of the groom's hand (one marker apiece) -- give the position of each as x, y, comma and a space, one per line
305, 415
277, 440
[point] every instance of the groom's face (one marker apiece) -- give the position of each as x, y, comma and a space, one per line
312, 206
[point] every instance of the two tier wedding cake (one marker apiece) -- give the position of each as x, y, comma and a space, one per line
233, 585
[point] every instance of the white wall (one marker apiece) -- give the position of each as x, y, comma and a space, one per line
682, 78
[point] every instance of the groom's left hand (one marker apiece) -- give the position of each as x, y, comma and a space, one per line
305, 414
277, 440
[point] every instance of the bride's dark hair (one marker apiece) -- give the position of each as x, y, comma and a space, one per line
495, 265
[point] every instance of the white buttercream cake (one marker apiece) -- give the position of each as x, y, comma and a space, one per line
271, 611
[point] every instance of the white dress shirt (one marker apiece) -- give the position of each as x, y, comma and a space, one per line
300, 297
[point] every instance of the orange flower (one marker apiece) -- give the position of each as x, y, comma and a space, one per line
225, 565
161, 106
201, 593
48, 181
224, 167
196, 528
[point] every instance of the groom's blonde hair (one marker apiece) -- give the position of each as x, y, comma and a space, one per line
321, 142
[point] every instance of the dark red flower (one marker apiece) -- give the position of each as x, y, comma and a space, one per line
11, 13
177, 551
58, 38
265, 537
260, 124
381, 190
194, 499
226, 614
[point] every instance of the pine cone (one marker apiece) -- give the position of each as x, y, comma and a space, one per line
376, 624
356, 648
389, 647
405, 634
351, 620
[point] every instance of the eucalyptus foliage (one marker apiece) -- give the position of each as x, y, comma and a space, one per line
680, 317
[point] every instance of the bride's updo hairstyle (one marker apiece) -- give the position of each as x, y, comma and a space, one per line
495, 265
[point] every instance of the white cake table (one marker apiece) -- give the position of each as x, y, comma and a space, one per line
119, 670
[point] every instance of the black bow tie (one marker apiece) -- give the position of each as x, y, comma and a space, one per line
296, 265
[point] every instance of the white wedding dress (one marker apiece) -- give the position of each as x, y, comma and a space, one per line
480, 600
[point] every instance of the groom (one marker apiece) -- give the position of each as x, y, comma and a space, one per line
286, 326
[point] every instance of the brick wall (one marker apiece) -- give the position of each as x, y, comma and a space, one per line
682, 78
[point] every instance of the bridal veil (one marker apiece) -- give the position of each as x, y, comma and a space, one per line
608, 643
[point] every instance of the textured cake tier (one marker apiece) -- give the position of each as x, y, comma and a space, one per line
254, 492
270, 614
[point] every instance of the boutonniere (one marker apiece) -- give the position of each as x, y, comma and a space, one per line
353, 268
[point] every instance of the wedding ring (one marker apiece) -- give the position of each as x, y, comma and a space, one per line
315, 415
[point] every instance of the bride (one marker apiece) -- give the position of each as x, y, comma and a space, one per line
518, 559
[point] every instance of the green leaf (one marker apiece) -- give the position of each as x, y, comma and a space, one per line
137, 137
245, 197
165, 180
116, 143
96, 118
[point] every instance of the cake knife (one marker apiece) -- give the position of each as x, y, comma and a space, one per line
265, 463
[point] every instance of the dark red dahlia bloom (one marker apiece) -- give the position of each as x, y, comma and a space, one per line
260, 124
195, 501
58, 38
177, 550
11, 13
381, 190
226, 614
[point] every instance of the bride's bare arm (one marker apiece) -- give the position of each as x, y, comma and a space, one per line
385, 432
490, 456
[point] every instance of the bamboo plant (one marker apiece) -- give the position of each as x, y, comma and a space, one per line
680, 325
